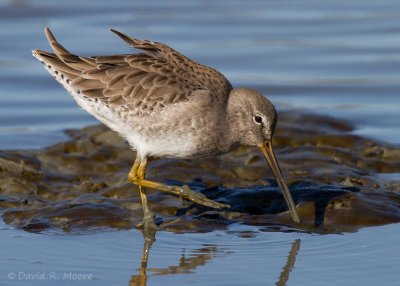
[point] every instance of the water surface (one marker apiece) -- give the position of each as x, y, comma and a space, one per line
216, 258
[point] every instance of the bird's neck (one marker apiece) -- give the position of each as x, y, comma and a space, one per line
233, 114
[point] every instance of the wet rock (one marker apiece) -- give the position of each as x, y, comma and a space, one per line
341, 182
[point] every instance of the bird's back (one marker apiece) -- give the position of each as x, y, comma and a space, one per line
121, 90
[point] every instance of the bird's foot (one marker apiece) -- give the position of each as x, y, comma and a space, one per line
186, 193
148, 227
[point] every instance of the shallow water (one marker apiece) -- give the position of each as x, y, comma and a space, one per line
339, 58
216, 258
335, 58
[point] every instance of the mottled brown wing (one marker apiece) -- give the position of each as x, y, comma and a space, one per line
140, 81
145, 82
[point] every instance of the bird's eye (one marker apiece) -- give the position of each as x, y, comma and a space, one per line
258, 119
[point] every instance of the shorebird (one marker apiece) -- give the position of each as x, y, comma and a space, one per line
167, 106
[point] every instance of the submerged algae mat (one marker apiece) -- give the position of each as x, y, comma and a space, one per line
341, 182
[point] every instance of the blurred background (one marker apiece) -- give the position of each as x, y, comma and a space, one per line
339, 58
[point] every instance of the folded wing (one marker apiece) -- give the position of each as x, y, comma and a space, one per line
142, 82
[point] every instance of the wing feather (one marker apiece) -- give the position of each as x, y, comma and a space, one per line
146, 81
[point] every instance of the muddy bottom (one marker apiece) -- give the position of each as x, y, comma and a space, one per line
340, 182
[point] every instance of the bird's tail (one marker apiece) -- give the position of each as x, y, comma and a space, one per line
62, 64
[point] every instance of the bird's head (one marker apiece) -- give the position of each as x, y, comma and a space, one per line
253, 120
253, 116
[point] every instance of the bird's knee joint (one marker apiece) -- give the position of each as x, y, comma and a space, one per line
133, 178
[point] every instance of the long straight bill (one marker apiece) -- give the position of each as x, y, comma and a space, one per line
266, 149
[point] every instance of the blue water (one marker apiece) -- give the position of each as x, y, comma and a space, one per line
367, 257
335, 58
340, 58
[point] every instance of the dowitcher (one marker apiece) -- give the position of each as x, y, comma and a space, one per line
167, 106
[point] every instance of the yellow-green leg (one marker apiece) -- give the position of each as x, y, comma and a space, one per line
137, 173
137, 176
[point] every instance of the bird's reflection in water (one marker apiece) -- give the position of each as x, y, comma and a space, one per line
284, 277
186, 263
197, 258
